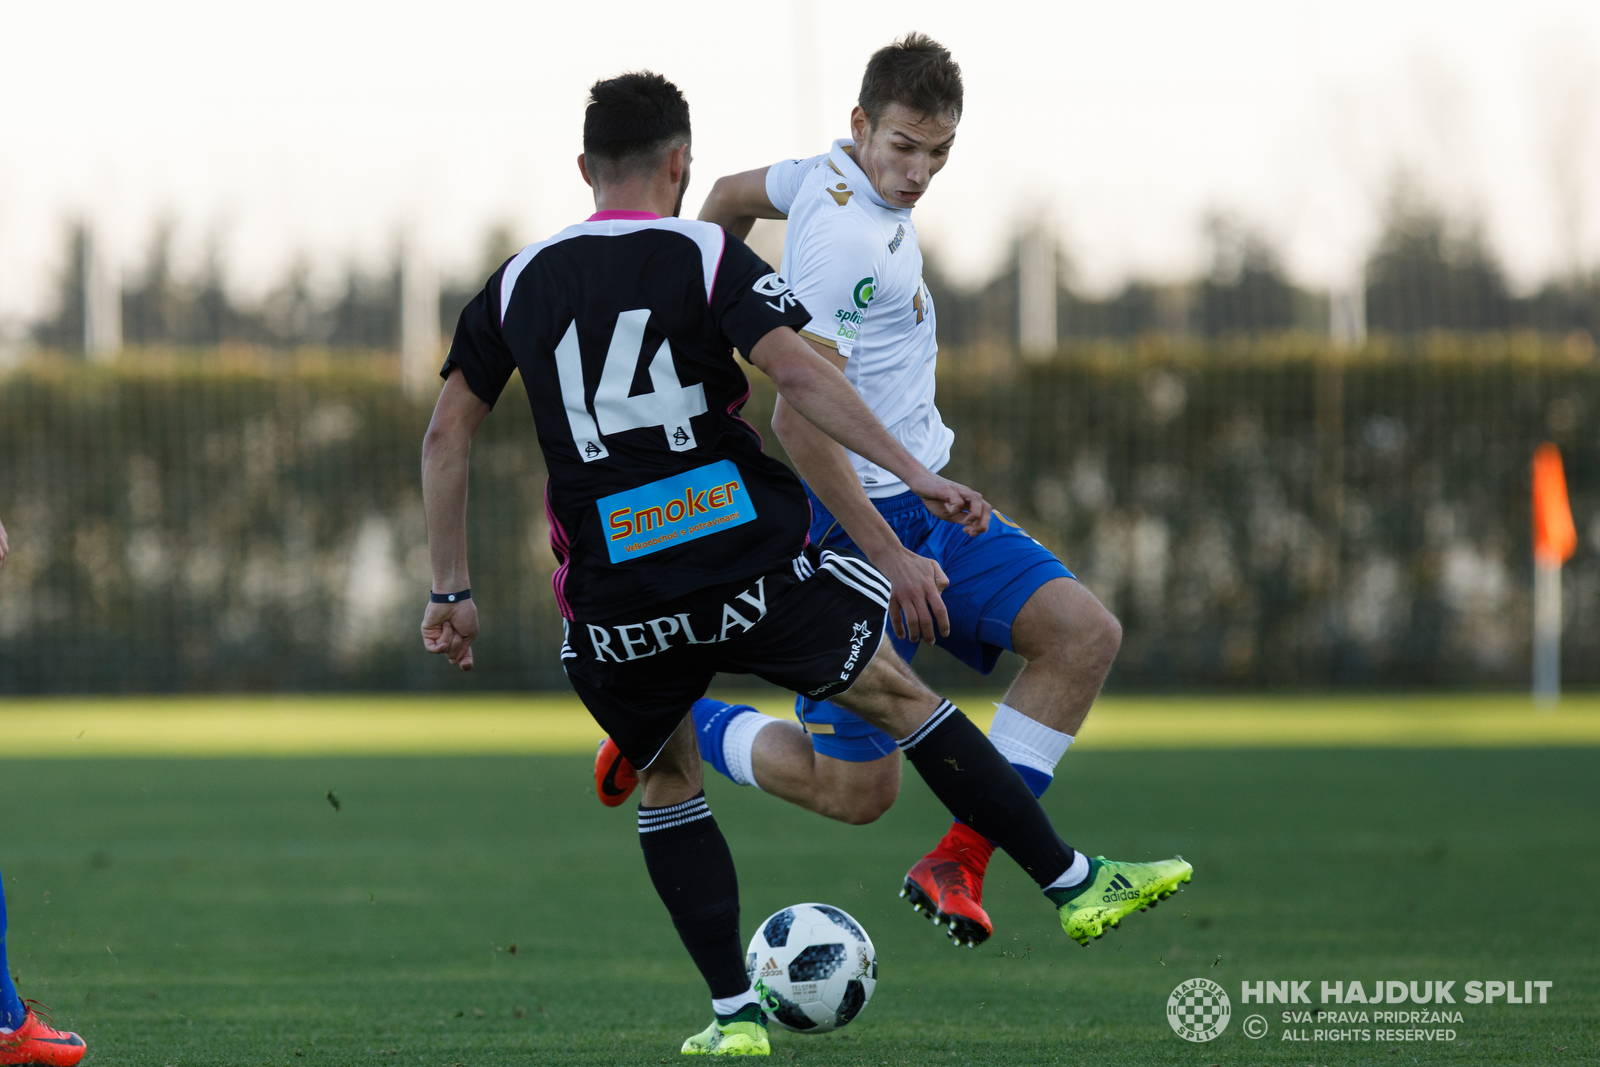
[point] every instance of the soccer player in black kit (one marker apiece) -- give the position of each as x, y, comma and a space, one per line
683, 548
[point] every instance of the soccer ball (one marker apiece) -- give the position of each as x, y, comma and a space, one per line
814, 968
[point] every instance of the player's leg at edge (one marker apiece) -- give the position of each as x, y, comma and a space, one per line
692, 870
26, 1036
736, 741
982, 789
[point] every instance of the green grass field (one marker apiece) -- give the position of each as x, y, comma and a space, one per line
208, 910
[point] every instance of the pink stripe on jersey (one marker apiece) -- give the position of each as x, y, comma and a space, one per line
561, 545
741, 418
558, 582
602, 216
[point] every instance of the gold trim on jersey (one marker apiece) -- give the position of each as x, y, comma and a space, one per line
841, 193
820, 339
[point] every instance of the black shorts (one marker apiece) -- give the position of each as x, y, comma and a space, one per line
810, 627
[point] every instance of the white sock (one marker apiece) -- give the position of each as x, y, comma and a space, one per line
728, 1005
739, 742
1027, 742
1074, 875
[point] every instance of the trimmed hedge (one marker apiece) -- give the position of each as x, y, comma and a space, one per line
1266, 514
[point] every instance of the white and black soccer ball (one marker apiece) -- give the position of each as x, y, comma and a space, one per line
815, 966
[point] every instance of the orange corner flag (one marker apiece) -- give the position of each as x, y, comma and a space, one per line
1554, 536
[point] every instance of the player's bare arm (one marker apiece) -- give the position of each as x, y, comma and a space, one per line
4, 545
819, 391
449, 629
737, 200
916, 609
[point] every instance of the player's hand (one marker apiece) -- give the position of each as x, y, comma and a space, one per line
955, 502
3, 545
449, 630
916, 610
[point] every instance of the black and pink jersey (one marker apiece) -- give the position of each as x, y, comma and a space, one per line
623, 329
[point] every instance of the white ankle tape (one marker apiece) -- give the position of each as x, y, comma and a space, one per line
1073, 876
729, 1005
738, 746
1027, 742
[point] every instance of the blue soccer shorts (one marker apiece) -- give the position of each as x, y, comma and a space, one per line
991, 577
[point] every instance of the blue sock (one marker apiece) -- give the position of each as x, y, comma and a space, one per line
1037, 780
12, 1013
711, 719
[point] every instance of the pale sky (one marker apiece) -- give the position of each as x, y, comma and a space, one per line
327, 128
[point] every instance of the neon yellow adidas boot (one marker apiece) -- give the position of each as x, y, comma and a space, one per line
1114, 890
743, 1034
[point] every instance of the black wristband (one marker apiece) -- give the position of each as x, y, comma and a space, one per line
450, 598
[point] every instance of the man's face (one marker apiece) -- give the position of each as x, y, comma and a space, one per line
902, 151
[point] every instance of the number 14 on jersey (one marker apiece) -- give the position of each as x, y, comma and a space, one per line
670, 404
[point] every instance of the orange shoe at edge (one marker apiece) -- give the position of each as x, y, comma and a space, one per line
614, 776
36, 1042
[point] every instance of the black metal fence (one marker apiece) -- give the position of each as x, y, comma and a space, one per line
1273, 513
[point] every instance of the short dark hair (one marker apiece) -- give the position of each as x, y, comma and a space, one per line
916, 71
632, 117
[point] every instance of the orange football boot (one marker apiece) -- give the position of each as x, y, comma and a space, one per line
614, 777
946, 885
37, 1043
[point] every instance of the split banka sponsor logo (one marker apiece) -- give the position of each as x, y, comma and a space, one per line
674, 510
849, 319
1346, 1011
641, 640
849, 323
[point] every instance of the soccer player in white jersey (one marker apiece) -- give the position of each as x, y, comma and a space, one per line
852, 257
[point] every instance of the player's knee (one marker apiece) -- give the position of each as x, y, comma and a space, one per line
869, 804
1106, 634
1093, 639
859, 793
888, 695
1081, 635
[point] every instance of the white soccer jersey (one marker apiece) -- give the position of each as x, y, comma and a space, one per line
854, 263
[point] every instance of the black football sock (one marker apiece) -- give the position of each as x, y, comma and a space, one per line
692, 869
984, 791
